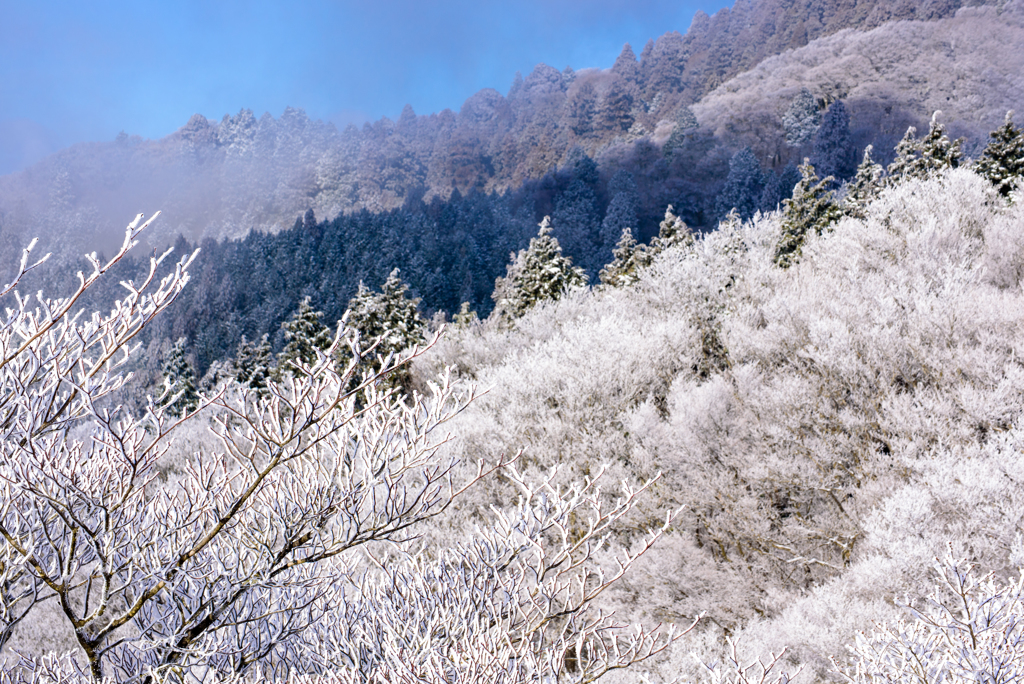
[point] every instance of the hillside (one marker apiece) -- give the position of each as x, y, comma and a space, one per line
223, 179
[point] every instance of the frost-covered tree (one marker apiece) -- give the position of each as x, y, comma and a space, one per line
743, 187
672, 232
254, 363
1002, 161
919, 158
801, 119
180, 394
306, 335
864, 187
623, 269
268, 553
538, 273
812, 209
779, 187
388, 323
622, 210
831, 155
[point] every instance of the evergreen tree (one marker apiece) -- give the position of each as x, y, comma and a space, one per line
865, 186
1002, 162
831, 155
672, 232
623, 270
812, 208
538, 273
466, 318
578, 223
686, 122
622, 210
743, 187
801, 120
180, 395
919, 158
390, 320
306, 335
254, 364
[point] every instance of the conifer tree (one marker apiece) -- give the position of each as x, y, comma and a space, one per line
180, 395
743, 187
305, 334
802, 119
919, 158
812, 208
865, 186
253, 364
623, 269
389, 316
1002, 162
466, 317
672, 232
538, 273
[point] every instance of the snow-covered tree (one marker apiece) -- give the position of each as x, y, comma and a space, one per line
388, 323
623, 269
831, 154
622, 211
1002, 162
261, 555
306, 335
801, 119
254, 363
538, 273
743, 187
864, 187
180, 394
812, 209
919, 158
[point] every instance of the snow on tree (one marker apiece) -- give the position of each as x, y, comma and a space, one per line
537, 274
306, 336
180, 395
622, 210
864, 187
812, 209
254, 363
1002, 161
622, 270
831, 156
744, 185
672, 232
801, 119
280, 548
919, 158
388, 323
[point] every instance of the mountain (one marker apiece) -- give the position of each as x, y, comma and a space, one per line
223, 179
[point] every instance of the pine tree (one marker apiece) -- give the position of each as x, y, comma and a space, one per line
743, 187
466, 318
623, 270
538, 273
180, 395
306, 334
622, 210
672, 232
812, 208
253, 364
919, 158
1002, 162
390, 321
865, 186
802, 118
832, 142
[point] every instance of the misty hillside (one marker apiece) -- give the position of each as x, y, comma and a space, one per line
223, 179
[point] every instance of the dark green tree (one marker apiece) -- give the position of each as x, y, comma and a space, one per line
811, 209
180, 395
743, 187
831, 156
622, 210
306, 335
538, 273
1002, 162
623, 269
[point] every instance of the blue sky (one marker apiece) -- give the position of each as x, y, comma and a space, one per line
73, 71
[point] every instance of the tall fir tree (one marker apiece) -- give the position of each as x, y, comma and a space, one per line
253, 364
1002, 162
538, 273
811, 209
622, 211
743, 187
864, 187
831, 156
919, 158
672, 232
180, 394
622, 270
306, 335
389, 322
801, 119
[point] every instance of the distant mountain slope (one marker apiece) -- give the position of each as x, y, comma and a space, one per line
224, 179
970, 66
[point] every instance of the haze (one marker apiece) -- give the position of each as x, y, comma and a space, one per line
72, 72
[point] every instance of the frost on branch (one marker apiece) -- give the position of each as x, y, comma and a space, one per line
252, 561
